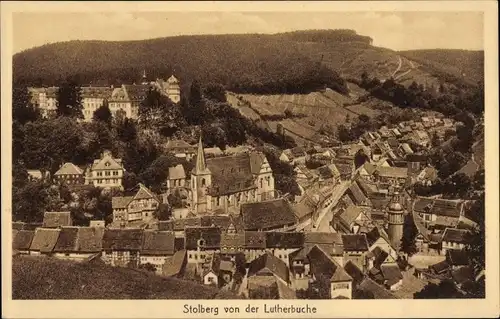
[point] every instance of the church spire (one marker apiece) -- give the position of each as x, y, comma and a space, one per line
200, 159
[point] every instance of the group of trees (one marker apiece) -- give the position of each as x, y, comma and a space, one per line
47, 143
261, 64
450, 101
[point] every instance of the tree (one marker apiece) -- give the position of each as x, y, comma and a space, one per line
363, 294
410, 231
360, 158
69, 99
30, 202
175, 199
148, 267
215, 92
103, 114
22, 109
163, 212
444, 290
476, 240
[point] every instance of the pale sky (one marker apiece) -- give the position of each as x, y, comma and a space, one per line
393, 30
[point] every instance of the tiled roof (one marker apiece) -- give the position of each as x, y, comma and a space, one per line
56, 219
455, 235
96, 92
234, 241
266, 215
90, 239
136, 92
230, 174
67, 240
173, 266
374, 234
457, 257
176, 172
322, 264
144, 193
323, 238
354, 242
355, 273
158, 243
22, 239
284, 239
120, 202
255, 239
396, 172
69, 169
349, 215
122, 239
267, 261
44, 239
359, 198
391, 272
107, 162
211, 237
379, 292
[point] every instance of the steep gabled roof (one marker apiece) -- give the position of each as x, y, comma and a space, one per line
56, 219
67, 240
176, 172
174, 265
323, 265
349, 215
379, 292
22, 239
69, 169
355, 273
267, 261
121, 202
144, 193
107, 162
158, 243
44, 239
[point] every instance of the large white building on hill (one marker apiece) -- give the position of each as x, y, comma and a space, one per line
125, 98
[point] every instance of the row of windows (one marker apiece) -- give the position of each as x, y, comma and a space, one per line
108, 181
108, 173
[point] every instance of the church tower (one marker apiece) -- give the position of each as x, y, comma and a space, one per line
201, 179
396, 220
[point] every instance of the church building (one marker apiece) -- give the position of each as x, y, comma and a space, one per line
221, 184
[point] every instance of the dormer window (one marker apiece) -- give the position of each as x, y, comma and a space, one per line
107, 164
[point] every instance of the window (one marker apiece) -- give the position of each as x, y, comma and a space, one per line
202, 182
107, 173
261, 183
99, 173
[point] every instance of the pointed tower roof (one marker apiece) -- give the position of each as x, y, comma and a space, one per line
201, 166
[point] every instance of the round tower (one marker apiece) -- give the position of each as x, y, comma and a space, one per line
395, 214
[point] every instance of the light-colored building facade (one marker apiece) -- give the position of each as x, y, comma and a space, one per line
106, 172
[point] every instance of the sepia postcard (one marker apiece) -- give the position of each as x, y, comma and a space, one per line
249, 159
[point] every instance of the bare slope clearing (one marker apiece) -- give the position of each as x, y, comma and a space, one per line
310, 112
